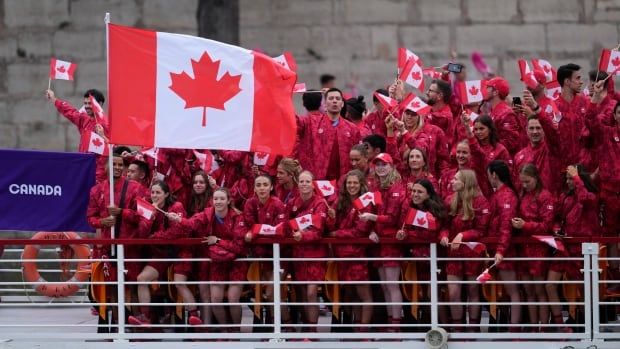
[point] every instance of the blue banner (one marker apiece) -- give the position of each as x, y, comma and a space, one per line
45, 190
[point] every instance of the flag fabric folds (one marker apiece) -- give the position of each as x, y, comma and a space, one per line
45, 190
62, 70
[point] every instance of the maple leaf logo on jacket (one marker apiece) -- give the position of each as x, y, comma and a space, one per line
204, 90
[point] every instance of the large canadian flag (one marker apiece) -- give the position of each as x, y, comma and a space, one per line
180, 91
62, 70
472, 91
287, 61
610, 61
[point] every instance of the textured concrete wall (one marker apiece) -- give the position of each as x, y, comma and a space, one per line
342, 37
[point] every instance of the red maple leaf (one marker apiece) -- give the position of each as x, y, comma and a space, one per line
473, 90
261, 155
556, 94
204, 90
367, 197
304, 220
326, 188
546, 68
421, 221
61, 69
616, 61
415, 104
268, 230
97, 142
416, 75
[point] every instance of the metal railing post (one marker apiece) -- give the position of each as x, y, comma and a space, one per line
434, 289
277, 297
591, 296
120, 276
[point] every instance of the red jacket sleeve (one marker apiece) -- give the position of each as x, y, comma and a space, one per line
546, 215
234, 244
92, 212
72, 114
507, 210
174, 230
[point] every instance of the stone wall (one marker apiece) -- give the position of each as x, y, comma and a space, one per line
342, 37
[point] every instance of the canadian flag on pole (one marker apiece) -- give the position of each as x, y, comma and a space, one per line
268, 230
98, 145
431, 72
477, 247
472, 91
144, 208
367, 199
527, 76
207, 161
388, 103
404, 55
551, 241
610, 61
415, 104
303, 222
553, 90
287, 61
179, 91
421, 219
300, 88
550, 72
413, 73
262, 159
327, 188
62, 70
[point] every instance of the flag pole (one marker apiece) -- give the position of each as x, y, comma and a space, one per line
49, 83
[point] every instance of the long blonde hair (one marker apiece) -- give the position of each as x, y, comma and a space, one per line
466, 196
389, 179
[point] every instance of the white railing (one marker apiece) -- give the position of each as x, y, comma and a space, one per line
72, 325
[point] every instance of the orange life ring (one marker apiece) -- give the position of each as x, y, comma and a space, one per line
31, 273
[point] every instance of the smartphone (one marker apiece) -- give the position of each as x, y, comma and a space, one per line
516, 100
455, 67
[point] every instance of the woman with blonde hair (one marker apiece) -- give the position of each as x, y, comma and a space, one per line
468, 213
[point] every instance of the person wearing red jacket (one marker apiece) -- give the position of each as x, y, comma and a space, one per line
535, 217
543, 151
162, 226
235, 173
263, 208
463, 161
344, 223
468, 222
485, 147
423, 198
178, 174
355, 110
438, 96
503, 205
220, 227
509, 129
286, 187
86, 122
375, 120
416, 168
304, 205
578, 215
388, 183
608, 171
325, 140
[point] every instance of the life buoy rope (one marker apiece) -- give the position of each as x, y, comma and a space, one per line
30, 273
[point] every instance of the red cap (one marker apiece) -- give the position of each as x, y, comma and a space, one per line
501, 85
540, 76
385, 157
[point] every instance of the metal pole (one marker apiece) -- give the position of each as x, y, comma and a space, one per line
590, 296
434, 289
120, 276
277, 296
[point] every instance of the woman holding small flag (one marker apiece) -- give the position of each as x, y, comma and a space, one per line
422, 217
578, 215
535, 217
469, 221
346, 225
388, 193
503, 205
263, 216
307, 213
163, 223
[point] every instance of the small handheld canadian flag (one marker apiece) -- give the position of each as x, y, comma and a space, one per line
388, 103
367, 199
413, 74
472, 116
484, 277
262, 159
610, 61
144, 208
550, 72
268, 230
62, 70
327, 188
527, 76
305, 221
207, 161
415, 104
551, 241
300, 88
287, 61
431, 72
553, 90
477, 247
404, 55
472, 91
421, 219
98, 145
